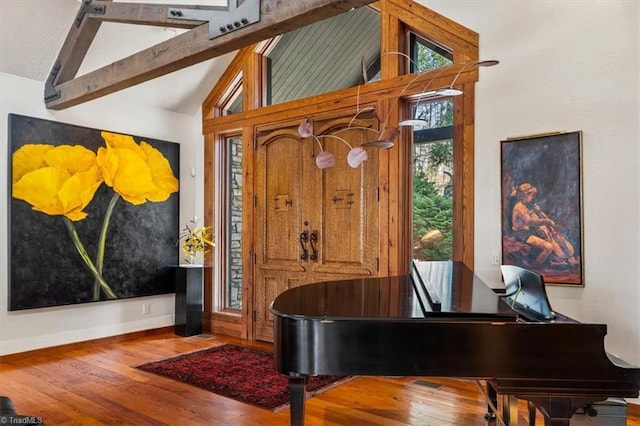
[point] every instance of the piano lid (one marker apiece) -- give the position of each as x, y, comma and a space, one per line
460, 294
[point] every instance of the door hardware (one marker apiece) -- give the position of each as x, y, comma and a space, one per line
284, 199
343, 198
350, 198
313, 239
304, 238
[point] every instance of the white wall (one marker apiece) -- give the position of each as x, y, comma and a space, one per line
566, 65
37, 328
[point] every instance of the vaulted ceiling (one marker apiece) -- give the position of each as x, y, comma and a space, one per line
33, 31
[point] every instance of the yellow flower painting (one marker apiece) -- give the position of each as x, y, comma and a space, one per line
137, 172
58, 180
112, 198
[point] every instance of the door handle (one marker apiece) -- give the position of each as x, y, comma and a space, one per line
313, 239
304, 237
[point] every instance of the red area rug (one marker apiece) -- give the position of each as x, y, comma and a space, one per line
244, 374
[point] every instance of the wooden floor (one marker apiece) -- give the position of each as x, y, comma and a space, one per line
98, 384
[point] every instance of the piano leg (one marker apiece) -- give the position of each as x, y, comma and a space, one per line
297, 389
493, 402
509, 409
557, 410
532, 413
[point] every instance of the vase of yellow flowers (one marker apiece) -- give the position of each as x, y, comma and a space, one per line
196, 241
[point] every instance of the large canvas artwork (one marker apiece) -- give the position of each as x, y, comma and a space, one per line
541, 206
93, 214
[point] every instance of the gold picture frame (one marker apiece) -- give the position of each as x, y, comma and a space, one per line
542, 205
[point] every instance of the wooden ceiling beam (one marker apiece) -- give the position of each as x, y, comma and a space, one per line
86, 26
74, 49
64, 90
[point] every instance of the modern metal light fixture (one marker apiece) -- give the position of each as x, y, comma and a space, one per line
386, 136
356, 155
446, 91
325, 159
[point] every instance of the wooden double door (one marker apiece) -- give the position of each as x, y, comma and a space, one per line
312, 224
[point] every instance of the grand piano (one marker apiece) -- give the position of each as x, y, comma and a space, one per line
441, 320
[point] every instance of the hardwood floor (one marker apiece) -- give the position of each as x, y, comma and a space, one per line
98, 385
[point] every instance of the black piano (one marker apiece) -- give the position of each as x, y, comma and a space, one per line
441, 320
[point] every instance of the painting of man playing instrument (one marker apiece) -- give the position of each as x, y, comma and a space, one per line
541, 206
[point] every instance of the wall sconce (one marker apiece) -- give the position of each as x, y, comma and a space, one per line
388, 134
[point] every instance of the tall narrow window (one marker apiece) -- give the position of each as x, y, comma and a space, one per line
233, 219
432, 230
432, 221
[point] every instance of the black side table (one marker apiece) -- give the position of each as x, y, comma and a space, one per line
188, 308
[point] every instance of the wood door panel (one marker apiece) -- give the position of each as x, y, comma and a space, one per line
283, 266
349, 238
342, 214
343, 224
278, 201
266, 290
270, 285
338, 204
